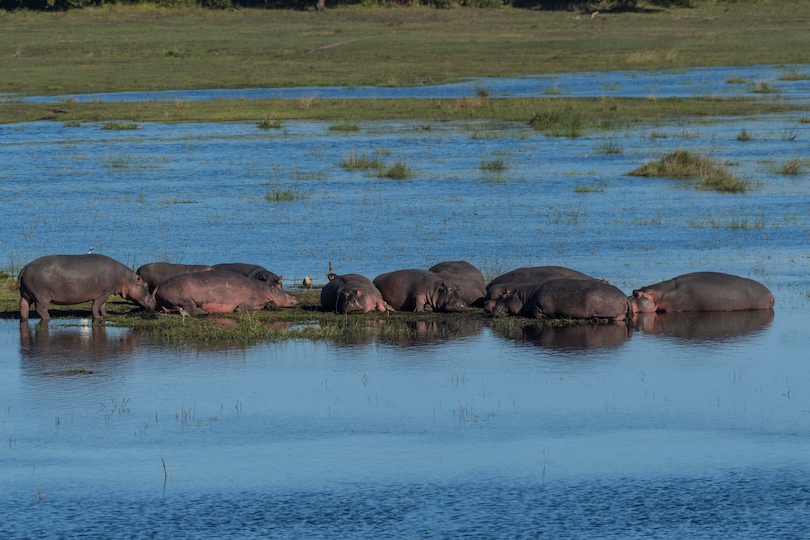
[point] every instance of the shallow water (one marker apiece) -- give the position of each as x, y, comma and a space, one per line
683, 83
683, 426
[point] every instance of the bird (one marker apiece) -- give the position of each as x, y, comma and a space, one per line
331, 275
307, 283
90, 251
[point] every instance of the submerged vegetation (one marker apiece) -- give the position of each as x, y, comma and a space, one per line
711, 175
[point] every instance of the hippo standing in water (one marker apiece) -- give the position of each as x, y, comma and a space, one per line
219, 291
253, 271
467, 277
156, 273
565, 298
351, 293
73, 279
419, 290
702, 291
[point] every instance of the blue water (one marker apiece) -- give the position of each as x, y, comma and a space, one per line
677, 427
683, 83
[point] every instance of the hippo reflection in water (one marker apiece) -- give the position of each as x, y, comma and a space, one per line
704, 325
571, 338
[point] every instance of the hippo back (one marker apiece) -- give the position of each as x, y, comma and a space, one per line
156, 273
467, 277
536, 274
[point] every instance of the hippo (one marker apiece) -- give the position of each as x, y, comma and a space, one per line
419, 290
253, 271
565, 298
536, 274
467, 277
702, 291
219, 291
156, 273
351, 293
73, 279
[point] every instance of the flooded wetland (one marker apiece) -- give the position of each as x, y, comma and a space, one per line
679, 425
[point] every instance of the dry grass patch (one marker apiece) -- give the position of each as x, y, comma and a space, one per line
712, 175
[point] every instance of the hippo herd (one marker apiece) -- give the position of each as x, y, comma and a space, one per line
545, 292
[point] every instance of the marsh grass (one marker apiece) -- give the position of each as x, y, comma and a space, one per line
355, 162
712, 175
764, 87
268, 123
791, 167
745, 136
558, 121
794, 77
737, 80
120, 126
398, 171
177, 200
481, 90
789, 135
608, 147
583, 188
285, 195
344, 127
72, 123
493, 165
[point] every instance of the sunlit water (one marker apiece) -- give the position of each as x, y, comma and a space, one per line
683, 427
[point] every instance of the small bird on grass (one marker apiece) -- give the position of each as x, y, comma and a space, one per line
307, 283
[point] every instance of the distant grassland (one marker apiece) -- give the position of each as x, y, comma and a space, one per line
144, 47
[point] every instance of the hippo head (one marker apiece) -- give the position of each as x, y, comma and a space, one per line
498, 308
644, 301
138, 291
448, 298
276, 298
353, 301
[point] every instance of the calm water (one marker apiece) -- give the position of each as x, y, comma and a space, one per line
683, 426
685, 83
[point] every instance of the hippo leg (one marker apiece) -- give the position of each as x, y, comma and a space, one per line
100, 307
420, 304
380, 306
25, 308
42, 308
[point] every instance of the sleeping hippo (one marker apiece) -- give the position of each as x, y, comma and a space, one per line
351, 293
219, 291
467, 277
565, 298
156, 273
419, 290
536, 274
253, 271
702, 291
73, 279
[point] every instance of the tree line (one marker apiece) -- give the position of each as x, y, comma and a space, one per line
609, 5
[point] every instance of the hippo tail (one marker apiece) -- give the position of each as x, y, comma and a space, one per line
19, 278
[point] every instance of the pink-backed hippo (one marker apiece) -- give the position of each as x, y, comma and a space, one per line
702, 291
219, 291
565, 298
419, 290
253, 271
467, 277
351, 293
73, 279
536, 274
156, 273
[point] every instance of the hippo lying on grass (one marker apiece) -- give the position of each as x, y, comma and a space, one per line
467, 277
219, 291
253, 271
156, 273
73, 279
702, 291
564, 298
351, 293
536, 274
419, 290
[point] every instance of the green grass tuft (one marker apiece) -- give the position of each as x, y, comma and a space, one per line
494, 165
355, 162
744, 136
791, 167
270, 124
685, 164
397, 171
